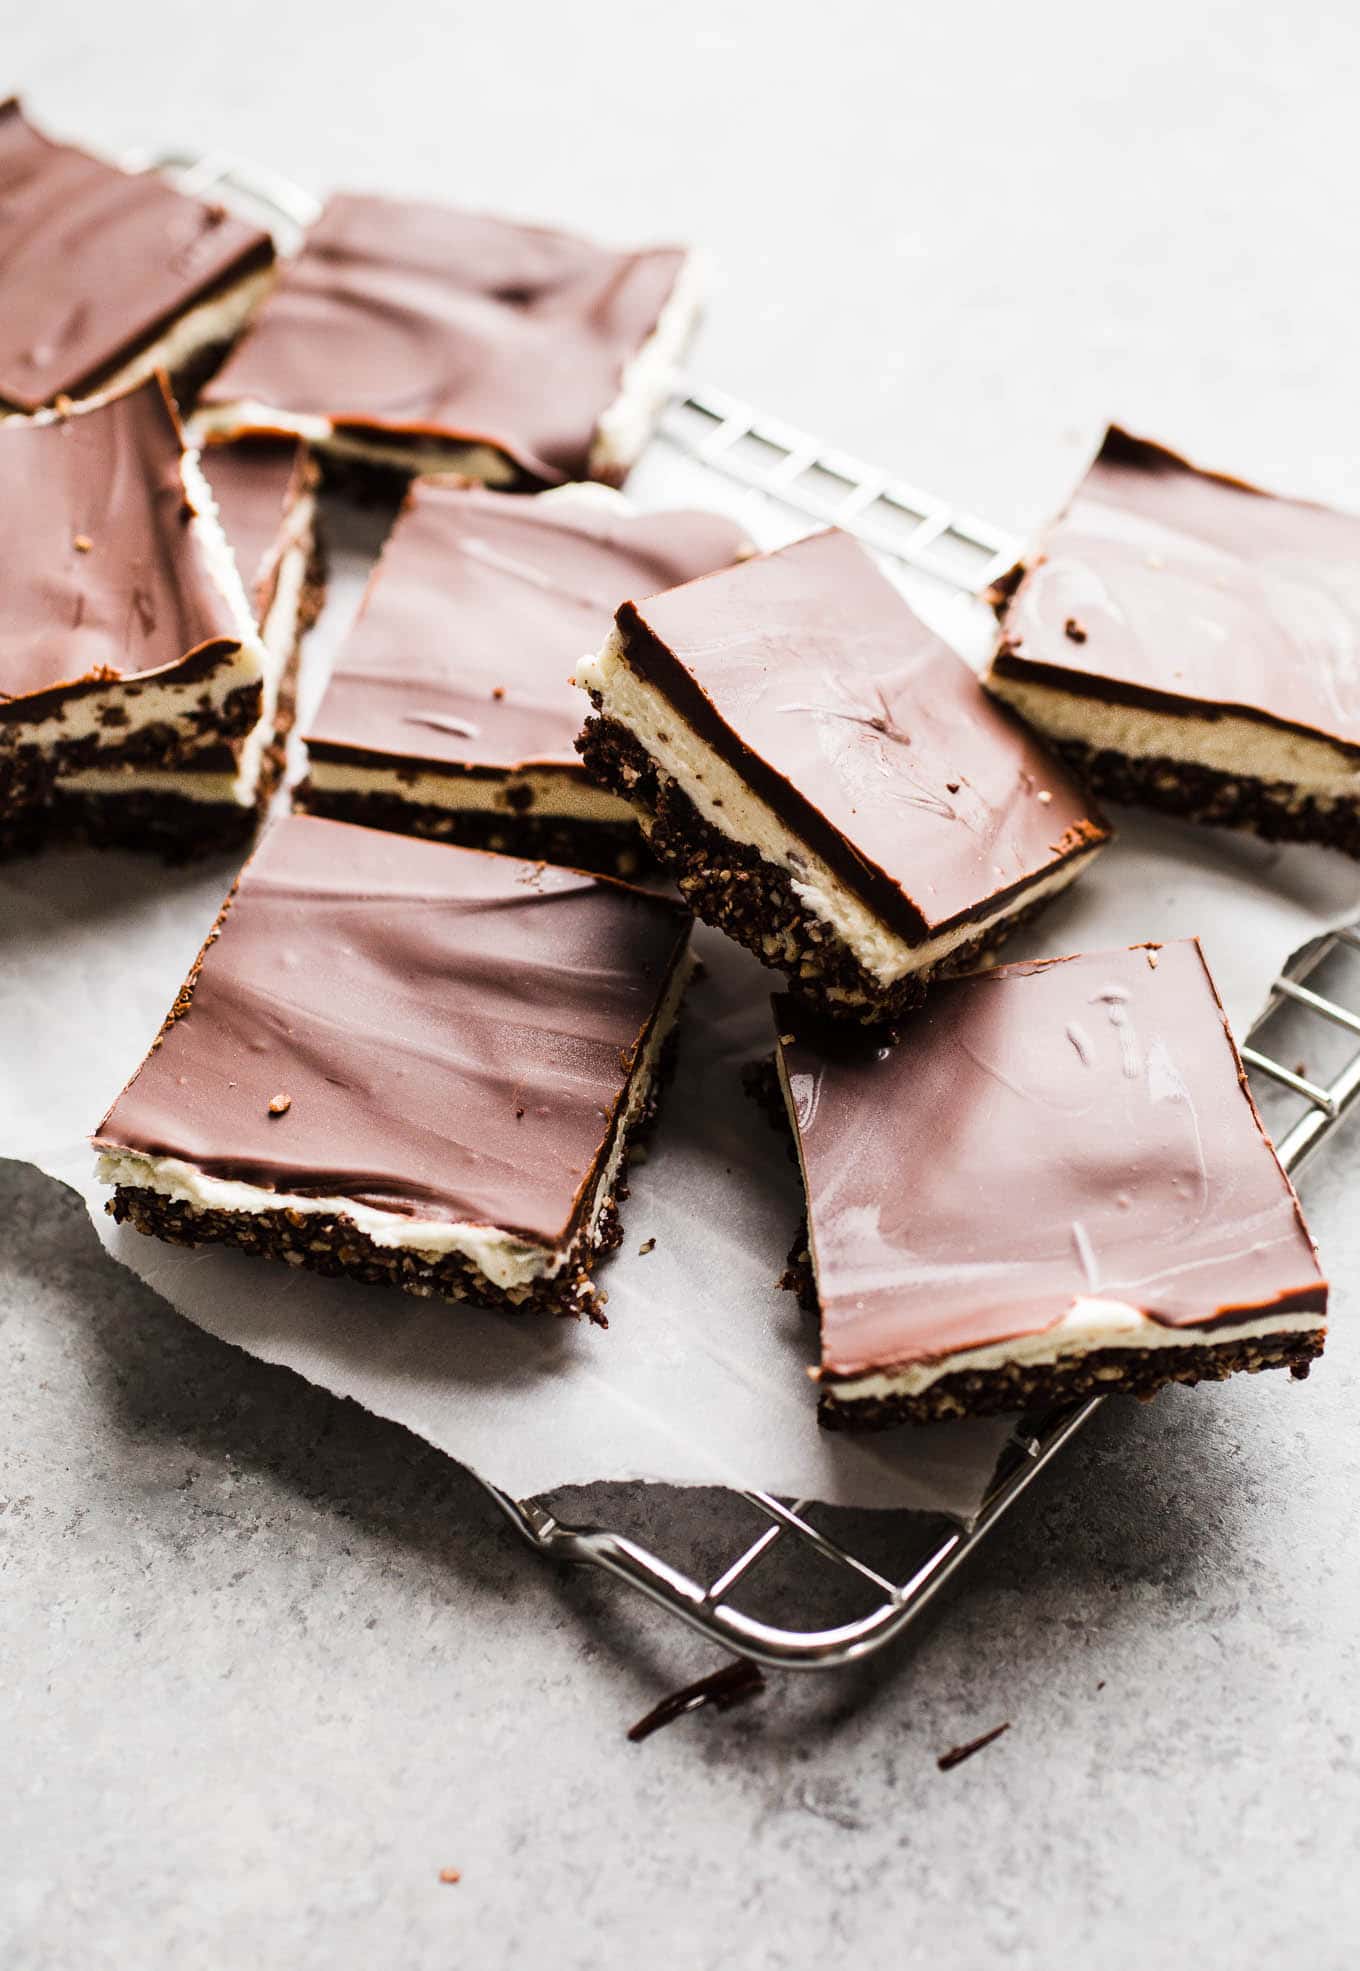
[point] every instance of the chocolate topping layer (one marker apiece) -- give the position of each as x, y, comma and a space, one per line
105, 578
807, 672
1041, 1134
462, 655
96, 262
454, 1032
256, 484
420, 319
1166, 586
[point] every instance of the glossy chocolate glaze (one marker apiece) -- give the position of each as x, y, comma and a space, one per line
808, 673
453, 1031
482, 602
104, 577
96, 262
256, 484
1078, 1128
1190, 592
418, 319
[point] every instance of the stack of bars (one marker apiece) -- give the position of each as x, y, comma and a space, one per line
431, 1023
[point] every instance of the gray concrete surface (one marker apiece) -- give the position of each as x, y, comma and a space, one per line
268, 1665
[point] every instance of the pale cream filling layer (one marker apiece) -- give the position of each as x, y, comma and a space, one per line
558, 794
508, 1262
1318, 770
648, 380
1089, 1326
725, 801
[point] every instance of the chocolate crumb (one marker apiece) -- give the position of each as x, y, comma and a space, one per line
279, 1105
1301, 1068
498, 691
1074, 630
82, 544
1101, 1684
450, 1875
952, 786
519, 1111
648, 1245
731, 1685
956, 1754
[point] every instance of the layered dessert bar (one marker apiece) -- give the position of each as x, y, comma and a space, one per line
426, 339
107, 275
265, 496
133, 682
408, 1064
826, 779
1055, 1184
1192, 643
451, 711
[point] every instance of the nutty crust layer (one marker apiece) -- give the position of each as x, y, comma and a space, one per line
732, 887
336, 1248
606, 848
1269, 808
333, 1246
1106, 1371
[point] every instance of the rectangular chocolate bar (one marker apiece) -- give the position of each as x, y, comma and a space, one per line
1192, 643
826, 779
129, 649
408, 1064
107, 275
425, 339
451, 711
265, 495
1054, 1184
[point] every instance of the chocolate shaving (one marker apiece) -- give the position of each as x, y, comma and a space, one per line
956, 1754
733, 1684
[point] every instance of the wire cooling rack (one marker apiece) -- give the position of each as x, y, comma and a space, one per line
914, 1554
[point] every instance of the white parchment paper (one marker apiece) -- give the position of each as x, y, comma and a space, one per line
700, 1377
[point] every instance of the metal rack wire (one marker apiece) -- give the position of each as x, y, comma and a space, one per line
929, 537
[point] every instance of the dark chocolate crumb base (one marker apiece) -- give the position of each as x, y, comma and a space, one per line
798, 1277
607, 848
331, 1245
170, 826
1269, 808
1102, 1372
732, 887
